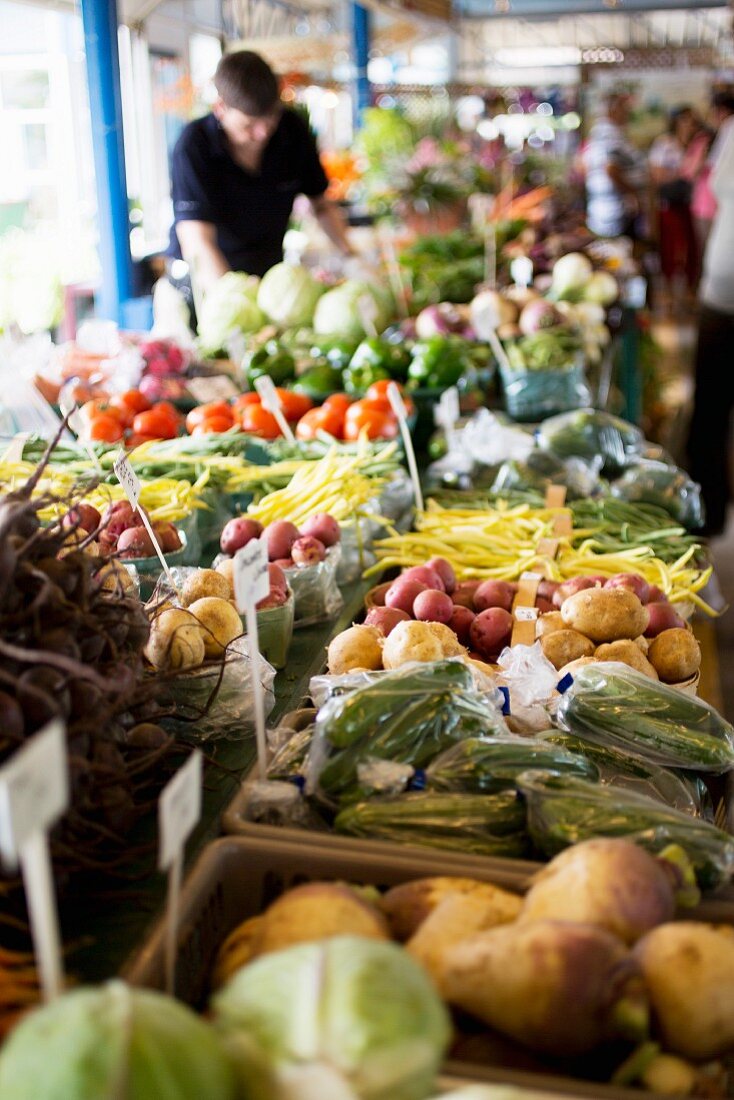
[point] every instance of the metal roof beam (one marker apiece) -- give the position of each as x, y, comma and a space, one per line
548, 9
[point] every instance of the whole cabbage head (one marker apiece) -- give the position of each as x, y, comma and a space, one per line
339, 313
288, 295
229, 307
114, 1042
360, 1009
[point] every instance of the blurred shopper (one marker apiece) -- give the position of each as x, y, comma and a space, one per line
672, 190
615, 173
236, 172
708, 443
703, 153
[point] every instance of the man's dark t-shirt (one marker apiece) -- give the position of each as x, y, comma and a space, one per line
250, 211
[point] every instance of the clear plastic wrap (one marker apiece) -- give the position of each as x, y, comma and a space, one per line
325, 686
528, 674
489, 764
666, 486
289, 753
532, 395
486, 824
315, 589
610, 704
283, 804
542, 469
564, 810
356, 552
407, 716
216, 701
587, 433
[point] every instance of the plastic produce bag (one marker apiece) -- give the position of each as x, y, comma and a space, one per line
532, 395
529, 675
611, 705
280, 803
216, 701
490, 764
542, 469
485, 824
563, 810
356, 553
315, 589
667, 486
408, 716
587, 433
326, 686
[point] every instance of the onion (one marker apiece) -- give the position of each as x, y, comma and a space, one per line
571, 272
440, 320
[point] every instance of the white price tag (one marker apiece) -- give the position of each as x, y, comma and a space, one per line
521, 270
398, 407
271, 402
179, 809
526, 614
251, 578
447, 411
367, 309
34, 793
530, 576
14, 451
127, 478
217, 388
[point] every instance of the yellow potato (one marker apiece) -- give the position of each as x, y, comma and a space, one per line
175, 641
202, 583
226, 569
359, 647
676, 655
219, 623
548, 623
628, 653
563, 646
605, 614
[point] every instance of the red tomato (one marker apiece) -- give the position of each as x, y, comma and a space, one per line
165, 408
99, 407
320, 420
130, 403
377, 395
206, 412
338, 401
365, 416
244, 400
135, 440
258, 421
105, 429
294, 405
154, 424
214, 424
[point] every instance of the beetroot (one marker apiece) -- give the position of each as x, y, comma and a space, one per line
432, 606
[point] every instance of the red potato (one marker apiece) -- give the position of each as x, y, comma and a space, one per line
402, 594
460, 622
494, 594
237, 532
277, 578
548, 589
279, 538
463, 594
634, 582
433, 606
83, 515
445, 571
576, 584
656, 595
429, 577
491, 631
135, 542
284, 563
308, 550
543, 605
118, 517
662, 616
276, 598
385, 618
324, 528
168, 537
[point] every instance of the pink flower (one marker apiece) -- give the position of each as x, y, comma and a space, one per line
427, 154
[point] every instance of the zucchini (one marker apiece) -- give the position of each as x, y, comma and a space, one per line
489, 764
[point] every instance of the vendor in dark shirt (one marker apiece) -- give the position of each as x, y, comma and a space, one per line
236, 172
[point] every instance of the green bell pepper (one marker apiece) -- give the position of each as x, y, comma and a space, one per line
389, 355
336, 350
319, 381
272, 360
357, 379
438, 362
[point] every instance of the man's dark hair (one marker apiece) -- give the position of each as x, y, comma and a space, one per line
245, 81
723, 101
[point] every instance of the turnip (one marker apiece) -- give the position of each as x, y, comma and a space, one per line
688, 968
445, 571
308, 551
633, 581
490, 631
135, 542
324, 528
385, 619
558, 987
402, 593
463, 594
433, 606
429, 577
237, 532
494, 594
460, 622
662, 616
279, 538
608, 882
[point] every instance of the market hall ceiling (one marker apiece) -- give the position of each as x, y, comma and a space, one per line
550, 9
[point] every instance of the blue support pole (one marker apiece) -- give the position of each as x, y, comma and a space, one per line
99, 18
361, 26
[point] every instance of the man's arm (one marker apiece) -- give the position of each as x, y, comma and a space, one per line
333, 223
199, 248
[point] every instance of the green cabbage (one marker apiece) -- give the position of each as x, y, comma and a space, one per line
115, 1043
229, 307
338, 312
288, 295
357, 1007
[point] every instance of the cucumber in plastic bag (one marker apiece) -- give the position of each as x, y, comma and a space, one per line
563, 810
611, 704
489, 764
491, 825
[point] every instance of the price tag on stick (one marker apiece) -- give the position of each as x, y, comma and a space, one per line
131, 484
271, 402
252, 584
398, 407
179, 809
521, 270
34, 792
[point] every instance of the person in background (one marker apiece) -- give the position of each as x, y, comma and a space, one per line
236, 172
704, 152
708, 441
614, 171
672, 193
